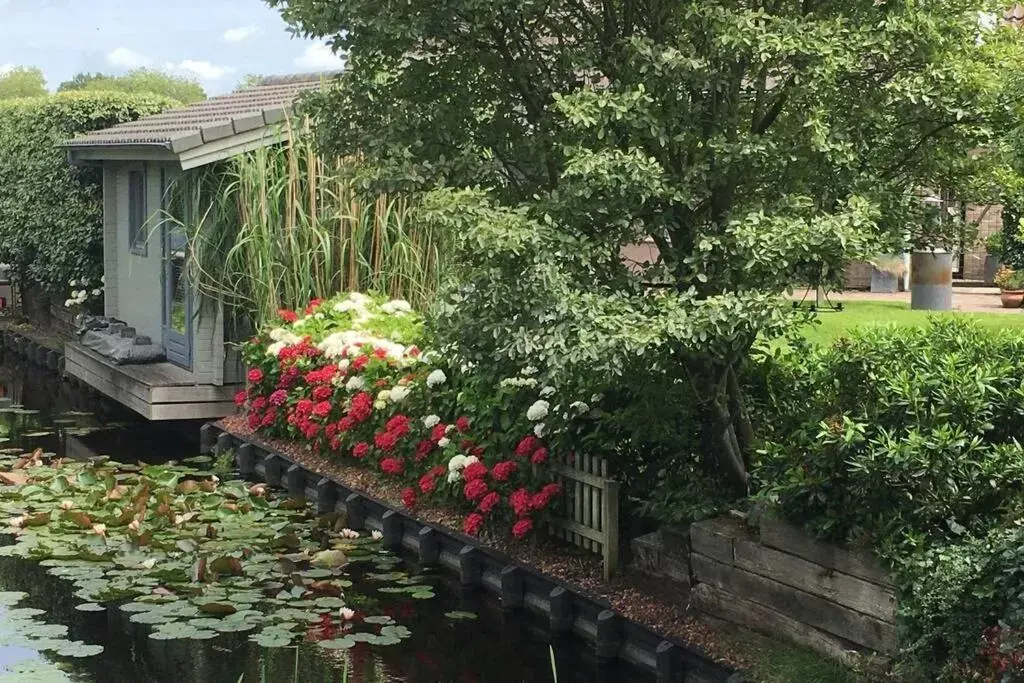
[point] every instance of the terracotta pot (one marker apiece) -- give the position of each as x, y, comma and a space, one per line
1012, 298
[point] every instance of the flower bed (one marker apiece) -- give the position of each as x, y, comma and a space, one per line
348, 378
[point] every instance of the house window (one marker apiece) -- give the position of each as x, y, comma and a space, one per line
137, 211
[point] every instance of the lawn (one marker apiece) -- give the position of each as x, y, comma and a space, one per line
856, 314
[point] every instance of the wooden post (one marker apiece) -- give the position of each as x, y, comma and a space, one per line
511, 588
610, 526
429, 551
326, 496
392, 530
246, 460
295, 481
560, 616
225, 442
354, 512
469, 568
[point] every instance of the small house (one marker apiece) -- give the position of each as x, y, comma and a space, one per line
145, 253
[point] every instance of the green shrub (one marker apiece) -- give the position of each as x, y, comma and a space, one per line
905, 432
51, 212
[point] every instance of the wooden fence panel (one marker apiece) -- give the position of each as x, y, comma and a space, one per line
589, 513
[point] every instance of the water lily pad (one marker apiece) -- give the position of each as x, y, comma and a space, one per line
381, 619
90, 607
265, 639
458, 615
342, 643
77, 648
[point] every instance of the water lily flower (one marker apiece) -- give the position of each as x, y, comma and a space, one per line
349, 533
67, 504
346, 614
135, 526
17, 522
99, 529
259, 490
376, 535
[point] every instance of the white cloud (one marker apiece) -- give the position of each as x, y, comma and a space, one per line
237, 35
6, 69
127, 59
200, 68
319, 57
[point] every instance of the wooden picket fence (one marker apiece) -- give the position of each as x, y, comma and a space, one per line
588, 512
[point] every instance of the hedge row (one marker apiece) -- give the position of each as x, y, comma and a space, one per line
51, 213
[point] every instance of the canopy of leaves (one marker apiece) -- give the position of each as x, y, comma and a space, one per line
757, 144
22, 81
50, 211
139, 81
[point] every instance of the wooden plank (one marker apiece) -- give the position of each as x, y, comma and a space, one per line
192, 411
575, 475
804, 607
857, 594
610, 524
199, 393
146, 374
724, 605
76, 355
115, 392
579, 530
790, 539
715, 538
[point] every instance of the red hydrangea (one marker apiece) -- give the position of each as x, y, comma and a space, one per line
392, 466
361, 407
437, 470
520, 502
287, 316
540, 456
437, 433
473, 523
313, 305
255, 375
476, 470
279, 397
539, 501
386, 441
359, 363
551, 490
409, 497
427, 484
380, 352
462, 424
398, 425
322, 409
522, 527
527, 446
346, 423
304, 407
475, 490
269, 418
240, 398
503, 470
254, 421
489, 502
361, 450
322, 393
423, 449
259, 404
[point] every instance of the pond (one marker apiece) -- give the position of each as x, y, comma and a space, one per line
159, 565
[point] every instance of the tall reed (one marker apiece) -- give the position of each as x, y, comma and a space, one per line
278, 226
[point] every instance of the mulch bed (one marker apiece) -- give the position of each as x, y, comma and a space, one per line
583, 572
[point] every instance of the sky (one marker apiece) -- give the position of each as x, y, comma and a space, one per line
215, 42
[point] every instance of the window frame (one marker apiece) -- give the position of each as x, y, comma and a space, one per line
138, 240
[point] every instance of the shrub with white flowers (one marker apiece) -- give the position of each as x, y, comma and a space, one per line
82, 292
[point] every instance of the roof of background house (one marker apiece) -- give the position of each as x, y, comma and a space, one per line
185, 128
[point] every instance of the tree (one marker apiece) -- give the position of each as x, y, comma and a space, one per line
760, 144
22, 81
249, 81
139, 81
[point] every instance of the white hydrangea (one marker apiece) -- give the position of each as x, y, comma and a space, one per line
538, 429
547, 391
396, 307
97, 292
399, 393
73, 283
355, 383
275, 348
383, 396
456, 463
470, 459
528, 370
538, 411
443, 442
518, 382
431, 421
580, 407
436, 378
454, 476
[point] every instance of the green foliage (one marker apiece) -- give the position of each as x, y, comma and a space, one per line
757, 147
50, 211
138, 81
282, 225
994, 245
22, 81
894, 434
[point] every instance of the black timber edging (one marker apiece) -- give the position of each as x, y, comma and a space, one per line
518, 587
33, 351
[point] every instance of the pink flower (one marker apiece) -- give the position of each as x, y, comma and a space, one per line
240, 398
287, 316
522, 527
462, 424
255, 375
409, 497
476, 470
520, 501
322, 409
360, 450
385, 441
322, 393
279, 397
392, 466
540, 456
489, 502
503, 470
527, 446
475, 490
473, 523
427, 484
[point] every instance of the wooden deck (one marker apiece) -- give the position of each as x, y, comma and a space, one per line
157, 391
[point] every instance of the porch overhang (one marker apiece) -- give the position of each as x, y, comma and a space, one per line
157, 391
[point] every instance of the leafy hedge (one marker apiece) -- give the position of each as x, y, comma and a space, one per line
909, 441
51, 213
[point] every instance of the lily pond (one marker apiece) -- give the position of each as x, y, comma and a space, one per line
127, 557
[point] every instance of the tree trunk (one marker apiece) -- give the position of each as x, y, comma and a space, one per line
741, 419
730, 455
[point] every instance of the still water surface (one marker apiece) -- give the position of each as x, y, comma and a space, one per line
38, 411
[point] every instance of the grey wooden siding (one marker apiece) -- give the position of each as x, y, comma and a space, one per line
137, 277
110, 269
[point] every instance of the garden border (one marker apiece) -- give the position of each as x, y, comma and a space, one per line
519, 587
33, 350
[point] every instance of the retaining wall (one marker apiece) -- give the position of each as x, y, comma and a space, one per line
477, 568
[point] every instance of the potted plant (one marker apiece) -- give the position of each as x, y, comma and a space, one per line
886, 272
1011, 287
993, 256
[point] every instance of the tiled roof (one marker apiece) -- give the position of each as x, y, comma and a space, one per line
218, 117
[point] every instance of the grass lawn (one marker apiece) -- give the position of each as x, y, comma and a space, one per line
856, 314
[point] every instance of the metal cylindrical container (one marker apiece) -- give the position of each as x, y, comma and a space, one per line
931, 280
